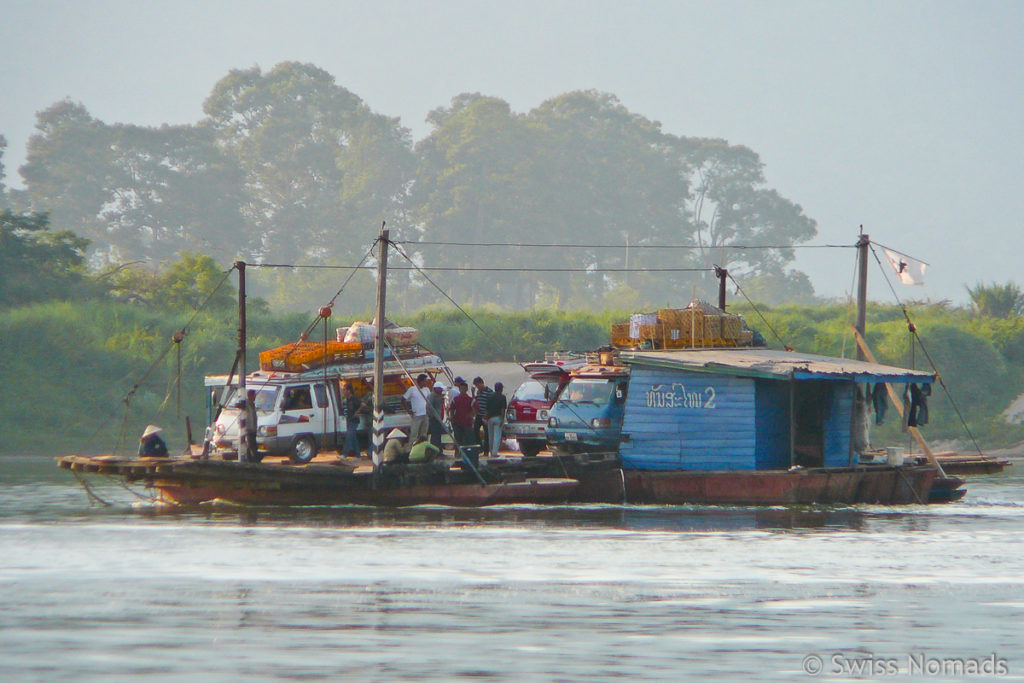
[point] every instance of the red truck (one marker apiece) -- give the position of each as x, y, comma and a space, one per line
527, 415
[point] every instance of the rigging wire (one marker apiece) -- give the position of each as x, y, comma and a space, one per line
175, 341
849, 308
739, 289
897, 251
621, 246
454, 303
344, 284
304, 335
481, 269
913, 330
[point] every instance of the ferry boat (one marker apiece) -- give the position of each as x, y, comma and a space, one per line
732, 424
295, 398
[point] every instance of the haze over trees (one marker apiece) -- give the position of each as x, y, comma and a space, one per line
288, 166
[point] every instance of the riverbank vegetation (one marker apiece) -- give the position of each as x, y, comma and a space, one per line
87, 374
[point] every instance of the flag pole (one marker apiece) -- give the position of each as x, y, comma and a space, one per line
863, 243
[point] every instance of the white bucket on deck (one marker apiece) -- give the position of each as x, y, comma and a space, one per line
894, 456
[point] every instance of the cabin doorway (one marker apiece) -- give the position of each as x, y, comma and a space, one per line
810, 407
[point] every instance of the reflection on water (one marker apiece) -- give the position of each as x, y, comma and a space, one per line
516, 593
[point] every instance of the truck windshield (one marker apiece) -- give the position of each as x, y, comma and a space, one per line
264, 400
598, 391
536, 390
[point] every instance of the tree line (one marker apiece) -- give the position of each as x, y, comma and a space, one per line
121, 361
289, 167
110, 334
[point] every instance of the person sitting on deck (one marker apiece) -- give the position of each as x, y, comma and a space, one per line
394, 449
151, 445
424, 451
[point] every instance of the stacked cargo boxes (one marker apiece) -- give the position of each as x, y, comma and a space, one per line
699, 325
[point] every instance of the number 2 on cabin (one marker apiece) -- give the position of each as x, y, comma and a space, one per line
676, 395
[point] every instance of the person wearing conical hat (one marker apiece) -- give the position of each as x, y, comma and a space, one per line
394, 449
151, 445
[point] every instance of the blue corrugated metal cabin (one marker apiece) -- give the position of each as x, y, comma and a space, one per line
744, 409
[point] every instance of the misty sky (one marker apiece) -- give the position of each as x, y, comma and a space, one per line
906, 117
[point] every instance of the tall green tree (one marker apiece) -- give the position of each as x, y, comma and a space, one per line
191, 283
320, 169
172, 190
136, 192
68, 170
997, 301
37, 264
603, 176
580, 169
471, 187
729, 204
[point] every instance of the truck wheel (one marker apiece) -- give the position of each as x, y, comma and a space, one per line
303, 449
530, 448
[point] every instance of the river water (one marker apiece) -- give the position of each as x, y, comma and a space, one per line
117, 592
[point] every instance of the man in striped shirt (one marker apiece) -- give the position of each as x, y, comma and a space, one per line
481, 397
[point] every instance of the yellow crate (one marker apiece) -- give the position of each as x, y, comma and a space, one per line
655, 331
620, 334
676, 338
732, 325
712, 328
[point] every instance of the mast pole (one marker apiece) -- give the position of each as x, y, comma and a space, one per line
721, 273
247, 445
378, 347
862, 287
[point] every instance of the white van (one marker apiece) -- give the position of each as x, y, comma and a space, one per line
300, 414
294, 417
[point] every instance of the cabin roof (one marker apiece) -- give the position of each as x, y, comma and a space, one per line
770, 363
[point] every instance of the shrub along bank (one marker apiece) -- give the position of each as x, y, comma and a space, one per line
87, 377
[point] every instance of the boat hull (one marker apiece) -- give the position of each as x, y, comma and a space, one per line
184, 481
193, 482
605, 482
181, 492
886, 486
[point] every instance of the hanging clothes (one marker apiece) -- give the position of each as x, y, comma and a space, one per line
919, 405
861, 418
880, 402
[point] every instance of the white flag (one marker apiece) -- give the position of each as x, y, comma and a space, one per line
910, 271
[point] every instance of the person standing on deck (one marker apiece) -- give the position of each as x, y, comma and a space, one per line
462, 414
435, 414
496, 405
352, 405
415, 400
481, 394
151, 445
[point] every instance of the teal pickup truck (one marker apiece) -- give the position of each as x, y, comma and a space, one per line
587, 417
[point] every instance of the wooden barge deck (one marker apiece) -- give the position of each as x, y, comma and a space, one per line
541, 480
